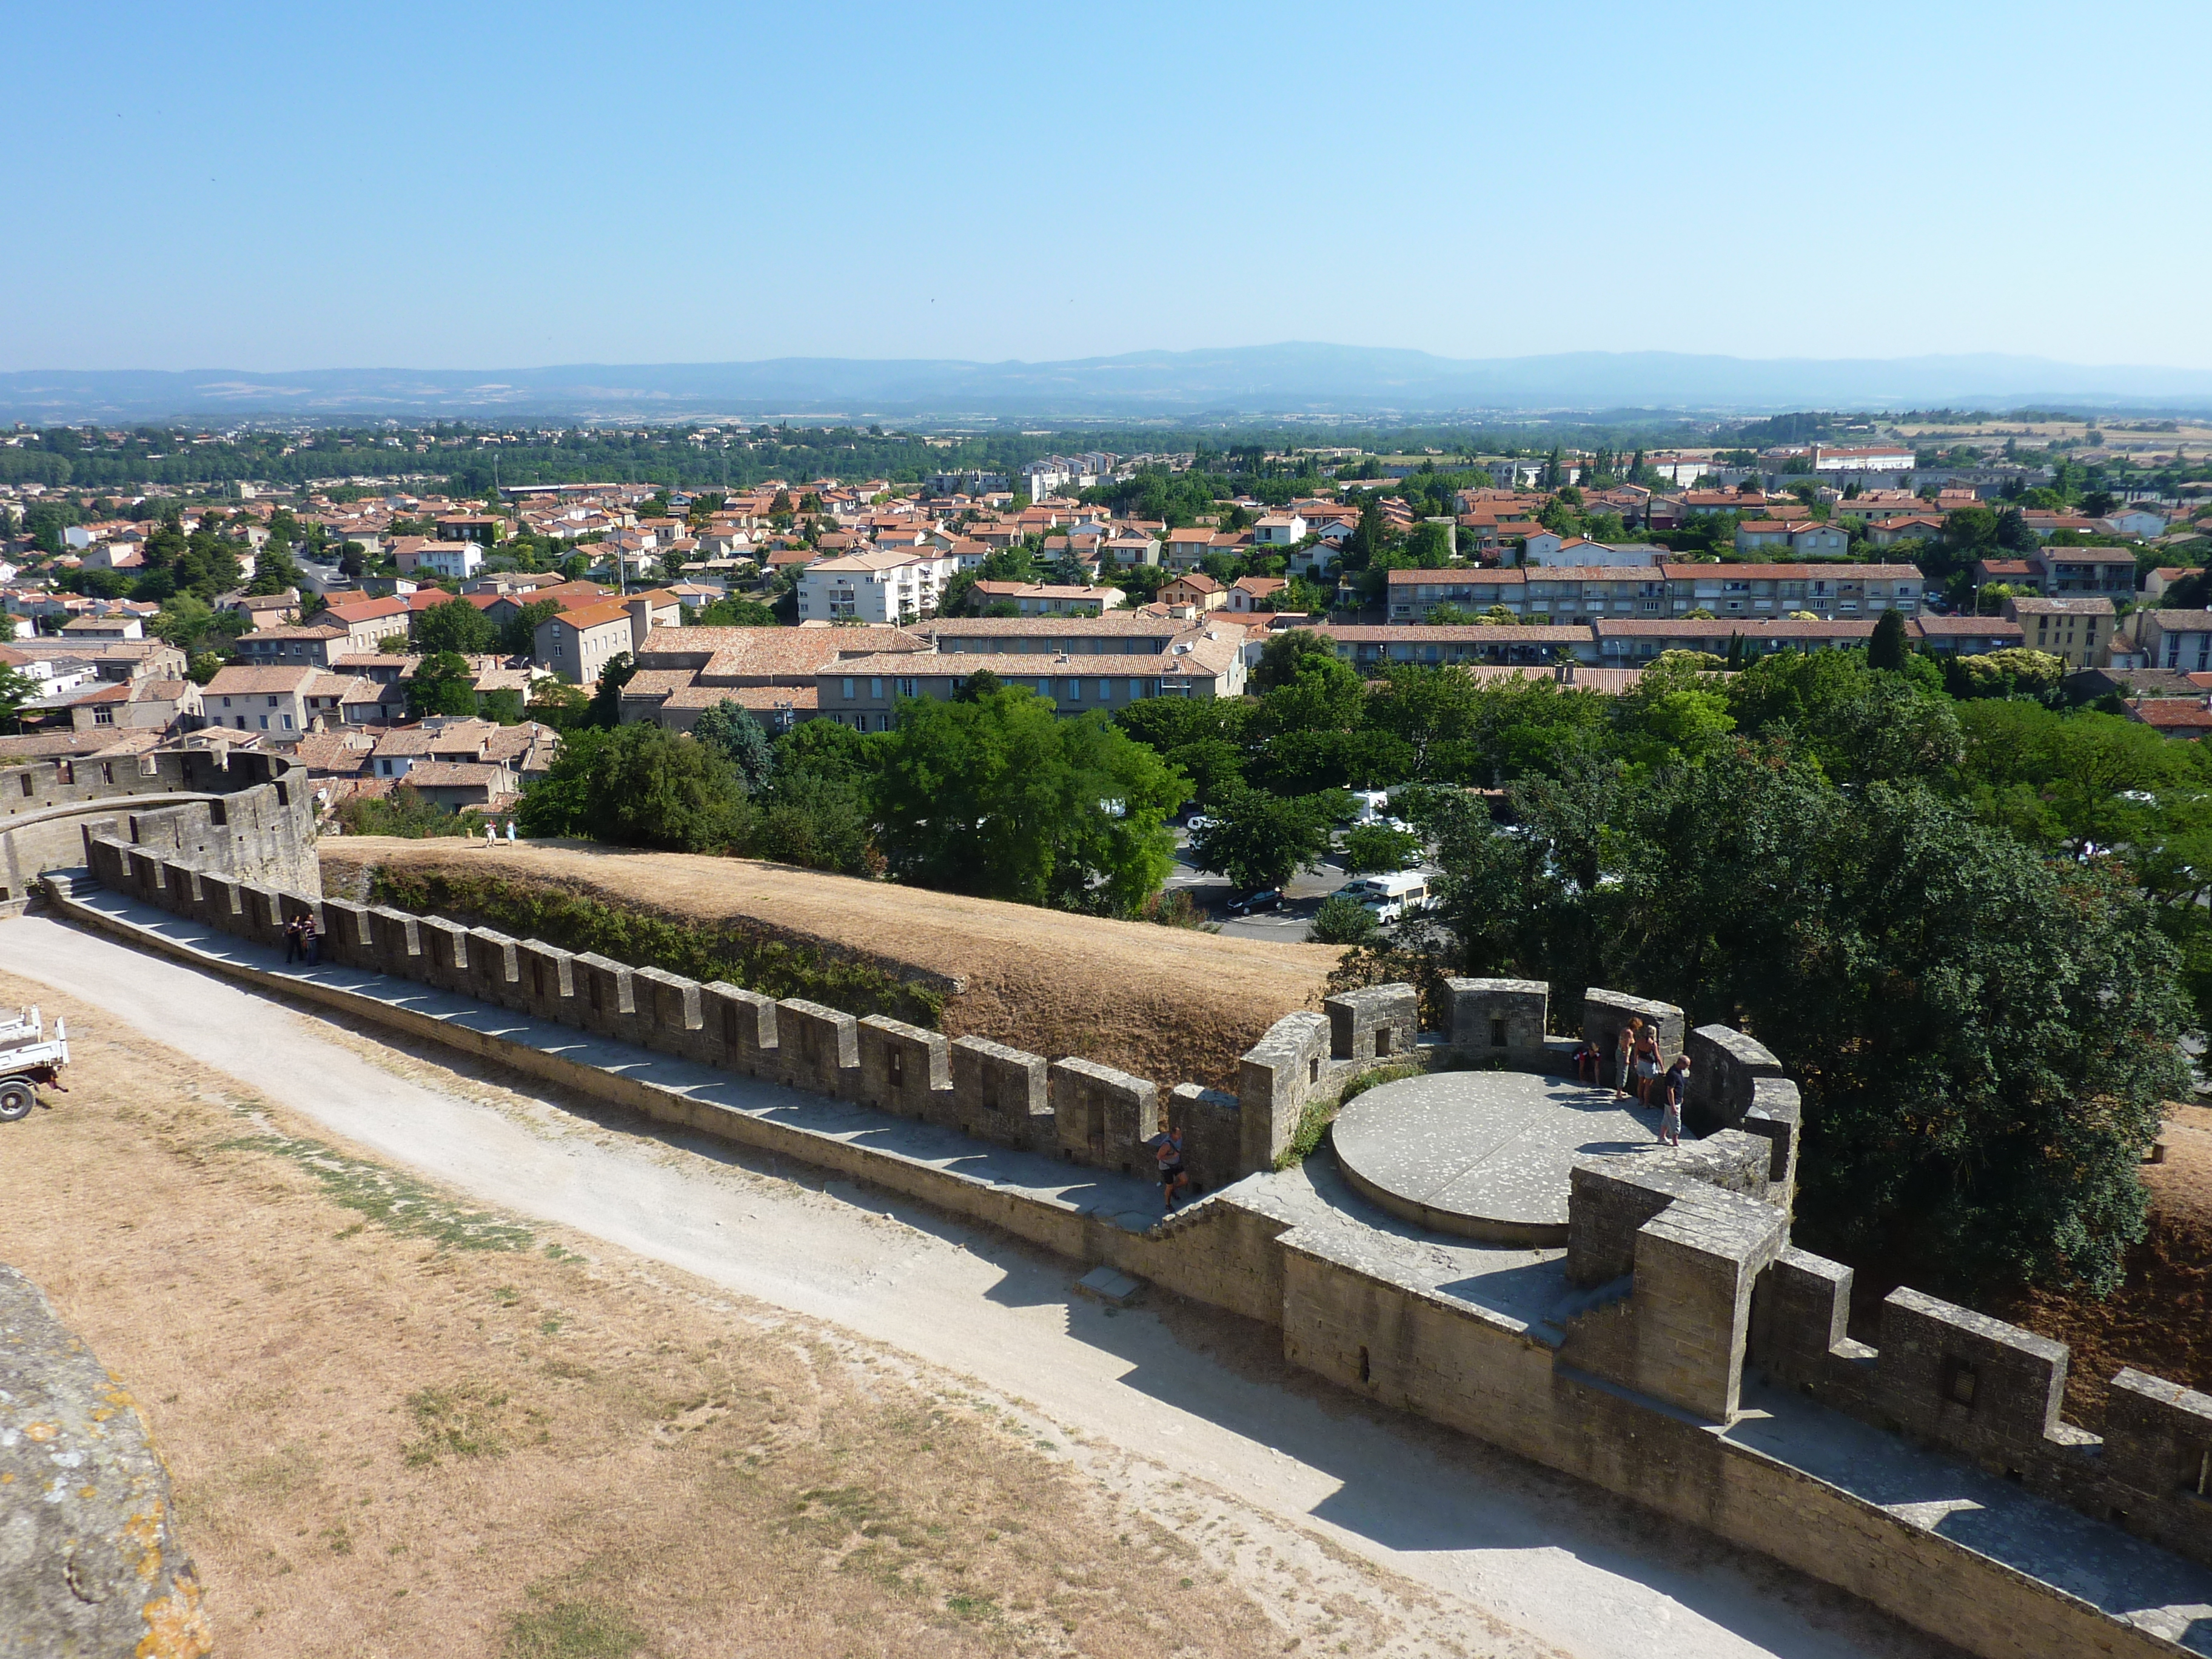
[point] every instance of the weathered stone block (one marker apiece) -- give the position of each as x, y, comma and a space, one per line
999, 1093
2158, 1437
737, 1029
261, 917
1725, 1068
1681, 1331
1608, 1201
94, 1564
904, 1069
219, 906
1604, 1013
1102, 1117
349, 936
1500, 1020
1777, 1115
145, 877
1800, 1316
1275, 1079
1959, 1378
668, 1009
398, 943
494, 971
606, 995
1377, 1023
444, 954
820, 1047
1211, 1122
547, 976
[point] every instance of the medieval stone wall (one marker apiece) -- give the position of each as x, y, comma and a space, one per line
1689, 1283
248, 814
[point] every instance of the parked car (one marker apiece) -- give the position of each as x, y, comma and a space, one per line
1245, 904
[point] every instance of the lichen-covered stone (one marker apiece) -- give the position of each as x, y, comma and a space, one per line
90, 1565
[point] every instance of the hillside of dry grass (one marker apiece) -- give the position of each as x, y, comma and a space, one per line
1166, 1003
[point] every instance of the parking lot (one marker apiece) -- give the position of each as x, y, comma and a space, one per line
1300, 899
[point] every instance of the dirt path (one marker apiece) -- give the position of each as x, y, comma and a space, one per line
1453, 1548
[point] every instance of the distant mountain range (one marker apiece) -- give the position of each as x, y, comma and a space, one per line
1304, 380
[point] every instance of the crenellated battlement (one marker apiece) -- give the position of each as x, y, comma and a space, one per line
247, 813
1677, 1282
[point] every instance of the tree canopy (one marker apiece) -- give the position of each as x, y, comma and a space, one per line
1002, 797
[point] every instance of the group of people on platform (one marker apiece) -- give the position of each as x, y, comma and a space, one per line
1635, 1065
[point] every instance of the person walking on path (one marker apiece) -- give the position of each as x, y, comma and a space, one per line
491, 836
1623, 1056
510, 834
1673, 1092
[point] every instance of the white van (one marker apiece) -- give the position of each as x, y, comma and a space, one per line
1391, 896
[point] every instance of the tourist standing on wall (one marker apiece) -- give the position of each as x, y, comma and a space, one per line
1167, 1147
1647, 1062
1674, 1092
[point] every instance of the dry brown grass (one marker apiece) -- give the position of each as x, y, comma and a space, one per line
1167, 1003
399, 1426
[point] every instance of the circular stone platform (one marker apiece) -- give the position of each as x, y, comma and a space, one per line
1482, 1154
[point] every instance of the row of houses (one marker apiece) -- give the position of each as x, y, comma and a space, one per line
1570, 594
856, 674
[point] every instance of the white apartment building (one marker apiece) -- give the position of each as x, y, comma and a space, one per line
457, 561
874, 586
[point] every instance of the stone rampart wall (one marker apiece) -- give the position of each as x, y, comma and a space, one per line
1685, 1256
247, 814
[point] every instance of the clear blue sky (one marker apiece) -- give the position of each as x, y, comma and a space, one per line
303, 185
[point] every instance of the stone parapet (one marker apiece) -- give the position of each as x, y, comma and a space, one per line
1500, 1021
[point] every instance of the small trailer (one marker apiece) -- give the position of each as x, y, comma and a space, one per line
29, 1059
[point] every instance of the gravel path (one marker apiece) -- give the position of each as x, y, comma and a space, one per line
1507, 1553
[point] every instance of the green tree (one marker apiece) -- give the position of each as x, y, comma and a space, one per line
1002, 797
728, 729
183, 621
454, 626
275, 570
517, 634
735, 610
441, 684
1982, 1036
638, 785
605, 710
1280, 657
1260, 840
17, 689
1886, 650
505, 706
558, 704
1373, 847
1341, 920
